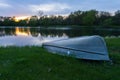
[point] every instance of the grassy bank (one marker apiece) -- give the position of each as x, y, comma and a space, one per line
35, 63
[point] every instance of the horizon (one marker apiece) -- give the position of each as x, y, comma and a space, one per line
52, 7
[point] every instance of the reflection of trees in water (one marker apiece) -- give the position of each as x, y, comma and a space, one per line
81, 31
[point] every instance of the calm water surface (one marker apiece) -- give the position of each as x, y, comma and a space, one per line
59, 31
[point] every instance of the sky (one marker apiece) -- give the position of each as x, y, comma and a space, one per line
54, 7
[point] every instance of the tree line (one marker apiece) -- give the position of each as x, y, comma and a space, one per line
83, 18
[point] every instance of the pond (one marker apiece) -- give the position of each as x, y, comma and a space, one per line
71, 31
36, 36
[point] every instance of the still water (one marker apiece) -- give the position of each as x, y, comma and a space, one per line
36, 36
59, 31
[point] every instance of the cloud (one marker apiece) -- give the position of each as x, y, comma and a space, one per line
4, 4
52, 7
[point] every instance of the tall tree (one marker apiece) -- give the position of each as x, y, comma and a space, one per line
89, 17
116, 18
33, 21
103, 17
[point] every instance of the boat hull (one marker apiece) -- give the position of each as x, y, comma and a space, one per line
83, 49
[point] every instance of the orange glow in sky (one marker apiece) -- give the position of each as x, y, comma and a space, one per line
17, 19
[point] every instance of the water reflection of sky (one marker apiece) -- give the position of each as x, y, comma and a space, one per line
23, 37
21, 40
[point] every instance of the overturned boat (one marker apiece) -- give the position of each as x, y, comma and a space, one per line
87, 47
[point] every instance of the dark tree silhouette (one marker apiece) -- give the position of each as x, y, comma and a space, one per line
83, 18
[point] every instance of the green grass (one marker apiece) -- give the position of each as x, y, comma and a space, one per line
35, 63
113, 45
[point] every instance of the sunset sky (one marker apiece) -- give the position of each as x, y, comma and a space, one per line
31, 7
